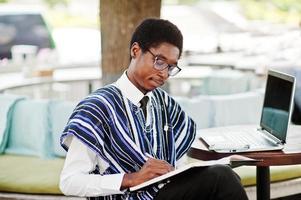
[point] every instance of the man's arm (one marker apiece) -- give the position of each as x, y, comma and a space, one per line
80, 160
75, 179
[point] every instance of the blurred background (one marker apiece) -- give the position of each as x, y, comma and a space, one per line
52, 48
37, 37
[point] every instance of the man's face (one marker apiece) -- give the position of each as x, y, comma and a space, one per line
143, 73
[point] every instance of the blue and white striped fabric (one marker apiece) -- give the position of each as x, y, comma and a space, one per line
115, 129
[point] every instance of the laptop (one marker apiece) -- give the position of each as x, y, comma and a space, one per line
275, 117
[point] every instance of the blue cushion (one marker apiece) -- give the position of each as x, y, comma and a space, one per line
234, 109
59, 113
225, 81
199, 109
29, 133
7, 105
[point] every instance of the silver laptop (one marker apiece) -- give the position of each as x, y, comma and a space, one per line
275, 117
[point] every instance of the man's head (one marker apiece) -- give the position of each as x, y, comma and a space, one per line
156, 46
152, 32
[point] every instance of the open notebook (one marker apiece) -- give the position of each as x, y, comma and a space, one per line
233, 160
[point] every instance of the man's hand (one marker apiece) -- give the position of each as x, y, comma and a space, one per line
151, 169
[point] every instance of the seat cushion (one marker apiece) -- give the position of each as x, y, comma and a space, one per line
29, 132
225, 81
242, 108
7, 105
278, 173
59, 113
25, 174
199, 108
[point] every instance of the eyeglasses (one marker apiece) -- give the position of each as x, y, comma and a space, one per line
160, 64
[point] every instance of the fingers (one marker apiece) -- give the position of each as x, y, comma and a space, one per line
151, 169
159, 164
157, 167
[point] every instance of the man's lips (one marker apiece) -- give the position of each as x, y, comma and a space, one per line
158, 81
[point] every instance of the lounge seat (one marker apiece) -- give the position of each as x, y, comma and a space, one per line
32, 175
285, 180
37, 178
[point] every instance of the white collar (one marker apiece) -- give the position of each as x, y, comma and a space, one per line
129, 90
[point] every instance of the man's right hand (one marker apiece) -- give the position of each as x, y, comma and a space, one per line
151, 169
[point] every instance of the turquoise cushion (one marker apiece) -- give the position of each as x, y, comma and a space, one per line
29, 133
199, 109
7, 105
59, 113
225, 81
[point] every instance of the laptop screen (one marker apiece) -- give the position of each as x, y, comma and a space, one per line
277, 104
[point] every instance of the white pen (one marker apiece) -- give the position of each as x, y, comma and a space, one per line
148, 155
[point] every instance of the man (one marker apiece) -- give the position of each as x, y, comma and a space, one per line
132, 131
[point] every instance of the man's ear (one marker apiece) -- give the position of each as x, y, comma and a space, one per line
135, 50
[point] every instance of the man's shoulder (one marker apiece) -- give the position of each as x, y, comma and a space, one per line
103, 95
106, 91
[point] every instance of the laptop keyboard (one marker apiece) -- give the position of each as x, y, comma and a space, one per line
250, 137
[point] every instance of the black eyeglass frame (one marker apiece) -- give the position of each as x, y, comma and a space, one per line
172, 69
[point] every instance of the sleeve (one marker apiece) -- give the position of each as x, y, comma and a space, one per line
184, 128
98, 124
87, 123
75, 179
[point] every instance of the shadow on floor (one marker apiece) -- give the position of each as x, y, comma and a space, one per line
293, 197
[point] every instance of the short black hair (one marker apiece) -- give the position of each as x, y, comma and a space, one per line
152, 32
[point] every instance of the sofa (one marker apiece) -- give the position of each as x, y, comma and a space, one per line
31, 157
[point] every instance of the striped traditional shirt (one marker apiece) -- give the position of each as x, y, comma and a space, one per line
117, 131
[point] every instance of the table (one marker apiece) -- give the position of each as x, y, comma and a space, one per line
290, 155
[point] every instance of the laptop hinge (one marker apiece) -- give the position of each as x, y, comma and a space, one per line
270, 137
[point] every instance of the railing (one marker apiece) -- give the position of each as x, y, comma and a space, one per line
71, 84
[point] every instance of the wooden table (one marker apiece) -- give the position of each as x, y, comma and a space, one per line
290, 155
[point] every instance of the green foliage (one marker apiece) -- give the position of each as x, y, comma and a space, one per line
273, 10
62, 19
52, 3
187, 2
287, 5
3, 1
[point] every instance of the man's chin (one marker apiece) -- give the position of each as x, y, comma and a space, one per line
151, 88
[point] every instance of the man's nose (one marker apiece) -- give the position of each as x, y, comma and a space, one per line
165, 73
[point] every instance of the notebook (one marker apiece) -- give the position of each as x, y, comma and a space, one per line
275, 117
233, 161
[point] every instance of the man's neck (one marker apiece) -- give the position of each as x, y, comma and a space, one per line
129, 90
